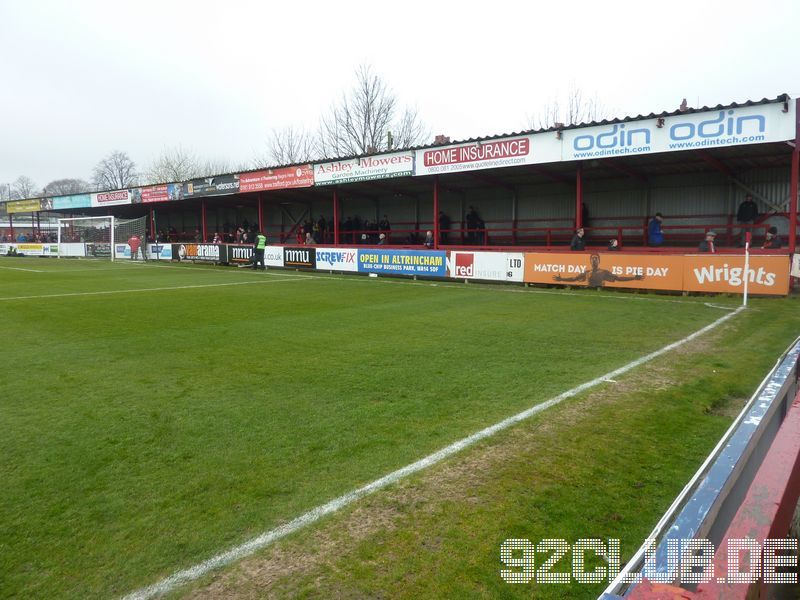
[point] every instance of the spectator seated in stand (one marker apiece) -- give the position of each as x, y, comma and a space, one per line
772, 241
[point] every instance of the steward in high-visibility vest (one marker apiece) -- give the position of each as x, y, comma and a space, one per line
258, 251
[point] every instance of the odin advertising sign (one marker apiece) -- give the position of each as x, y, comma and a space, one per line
725, 127
200, 252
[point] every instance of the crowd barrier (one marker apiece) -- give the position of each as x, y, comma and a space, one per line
725, 533
713, 273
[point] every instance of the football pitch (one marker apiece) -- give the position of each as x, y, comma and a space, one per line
156, 415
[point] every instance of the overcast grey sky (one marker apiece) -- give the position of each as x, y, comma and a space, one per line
82, 78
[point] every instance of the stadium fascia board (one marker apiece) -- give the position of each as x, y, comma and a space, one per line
782, 98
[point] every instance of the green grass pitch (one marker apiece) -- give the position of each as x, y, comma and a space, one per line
154, 415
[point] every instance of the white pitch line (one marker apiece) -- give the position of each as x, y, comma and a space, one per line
490, 286
158, 289
21, 269
268, 537
444, 284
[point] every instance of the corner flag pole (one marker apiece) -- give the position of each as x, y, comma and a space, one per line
746, 265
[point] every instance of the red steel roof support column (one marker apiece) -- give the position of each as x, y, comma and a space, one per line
335, 217
794, 186
436, 212
793, 199
579, 196
203, 218
261, 213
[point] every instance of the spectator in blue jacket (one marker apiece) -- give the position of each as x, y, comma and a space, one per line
655, 236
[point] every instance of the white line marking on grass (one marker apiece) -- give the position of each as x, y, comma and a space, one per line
158, 289
489, 286
444, 284
268, 537
710, 305
21, 269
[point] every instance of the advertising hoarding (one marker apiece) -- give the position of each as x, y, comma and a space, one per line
114, 198
428, 263
337, 259
200, 252
366, 168
73, 201
277, 179
490, 266
22, 206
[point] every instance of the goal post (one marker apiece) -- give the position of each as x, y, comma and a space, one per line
130, 238
86, 237
102, 237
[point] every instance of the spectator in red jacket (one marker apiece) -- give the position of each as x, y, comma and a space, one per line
134, 243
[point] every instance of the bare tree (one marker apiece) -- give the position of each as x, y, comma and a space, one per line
215, 166
23, 187
288, 146
116, 171
574, 108
410, 130
365, 116
173, 164
64, 187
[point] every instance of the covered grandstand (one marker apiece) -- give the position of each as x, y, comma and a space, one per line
530, 189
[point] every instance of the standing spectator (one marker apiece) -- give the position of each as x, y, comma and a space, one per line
428, 240
655, 236
747, 215
584, 214
300, 236
578, 243
444, 227
613, 245
217, 239
258, 251
384, 227
322, 225
473, 222
707, 245
772, 241
134, 242
309, 241
382, 239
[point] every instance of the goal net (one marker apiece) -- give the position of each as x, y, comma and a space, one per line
102, 237
86, 237
130, 238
